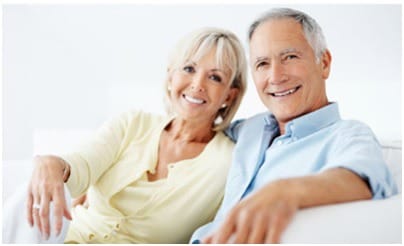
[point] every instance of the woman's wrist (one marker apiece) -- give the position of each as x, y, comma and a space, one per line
66, 171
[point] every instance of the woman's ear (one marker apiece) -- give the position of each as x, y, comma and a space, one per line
232, 95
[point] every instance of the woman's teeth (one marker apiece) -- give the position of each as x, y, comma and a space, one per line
193, 100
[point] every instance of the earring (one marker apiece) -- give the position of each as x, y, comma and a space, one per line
223, 105
218, 120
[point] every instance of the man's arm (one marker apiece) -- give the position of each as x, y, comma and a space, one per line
264, 215
232, 131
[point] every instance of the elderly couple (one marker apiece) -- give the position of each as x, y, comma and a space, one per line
194, 177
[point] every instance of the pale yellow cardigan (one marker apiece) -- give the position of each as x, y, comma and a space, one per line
118, 157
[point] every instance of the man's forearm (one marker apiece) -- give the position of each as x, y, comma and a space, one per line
332, 186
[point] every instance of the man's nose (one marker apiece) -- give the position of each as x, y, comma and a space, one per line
277, 73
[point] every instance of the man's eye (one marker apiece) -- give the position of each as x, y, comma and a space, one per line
215, 78
289, 57
261, 65
189, 69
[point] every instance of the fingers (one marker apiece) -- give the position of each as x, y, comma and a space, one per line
258, 230
30, 201
208, 239
35, 214
58, 219
277, 227
44, 216
226, 230
244, 223
67, 214
60, 209
82, 200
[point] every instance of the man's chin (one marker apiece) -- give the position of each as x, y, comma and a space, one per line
284, 116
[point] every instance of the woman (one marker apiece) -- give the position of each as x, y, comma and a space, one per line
152, 179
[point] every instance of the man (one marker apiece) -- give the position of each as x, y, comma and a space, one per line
301, 154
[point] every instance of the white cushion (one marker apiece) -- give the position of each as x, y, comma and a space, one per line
371, 221
393, 156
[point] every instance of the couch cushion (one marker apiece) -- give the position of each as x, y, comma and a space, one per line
370, 221
393, 156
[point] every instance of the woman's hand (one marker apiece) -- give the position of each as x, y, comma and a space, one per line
46, 186
81, 200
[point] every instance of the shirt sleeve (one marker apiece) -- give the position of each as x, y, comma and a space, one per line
93, 158
358, 150
234, 129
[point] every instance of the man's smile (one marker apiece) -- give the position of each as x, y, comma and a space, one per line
285, 93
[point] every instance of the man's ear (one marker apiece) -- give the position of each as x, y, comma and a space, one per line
326, 64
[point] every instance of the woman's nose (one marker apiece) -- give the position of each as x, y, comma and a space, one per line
197, 83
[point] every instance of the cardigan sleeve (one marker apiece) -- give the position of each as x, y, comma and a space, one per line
96, 156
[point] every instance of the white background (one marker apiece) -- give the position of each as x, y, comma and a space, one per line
74, 66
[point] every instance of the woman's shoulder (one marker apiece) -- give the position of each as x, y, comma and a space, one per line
136, 116
222, 143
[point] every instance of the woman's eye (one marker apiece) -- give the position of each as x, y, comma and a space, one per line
215, 78
189, 69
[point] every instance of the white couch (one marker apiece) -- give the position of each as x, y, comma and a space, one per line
372, 221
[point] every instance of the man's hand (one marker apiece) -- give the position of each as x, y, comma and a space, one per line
260, 218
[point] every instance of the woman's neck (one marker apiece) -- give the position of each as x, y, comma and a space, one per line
186, 131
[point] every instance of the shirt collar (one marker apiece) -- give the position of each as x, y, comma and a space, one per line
309, 123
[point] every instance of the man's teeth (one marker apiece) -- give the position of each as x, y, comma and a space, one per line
281, 94
193, 100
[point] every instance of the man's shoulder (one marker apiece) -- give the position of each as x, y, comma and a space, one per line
256, 120
251, 125
352, 126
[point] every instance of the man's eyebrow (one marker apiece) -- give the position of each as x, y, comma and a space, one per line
289, 50
261, 58
283, 52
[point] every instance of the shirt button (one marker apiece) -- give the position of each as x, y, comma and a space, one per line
117, 227
91, 236
280, 142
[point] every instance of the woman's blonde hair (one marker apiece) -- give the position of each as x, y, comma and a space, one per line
229, 54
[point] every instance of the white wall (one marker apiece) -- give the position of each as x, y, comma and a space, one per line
73, 66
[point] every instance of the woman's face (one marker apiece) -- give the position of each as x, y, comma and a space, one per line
198, 89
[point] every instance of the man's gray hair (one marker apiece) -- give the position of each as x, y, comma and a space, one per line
312, 30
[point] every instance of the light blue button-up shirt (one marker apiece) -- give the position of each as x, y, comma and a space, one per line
311, 144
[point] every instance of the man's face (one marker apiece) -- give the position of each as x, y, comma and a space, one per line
288, 78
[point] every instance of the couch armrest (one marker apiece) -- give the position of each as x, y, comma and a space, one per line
370, 221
